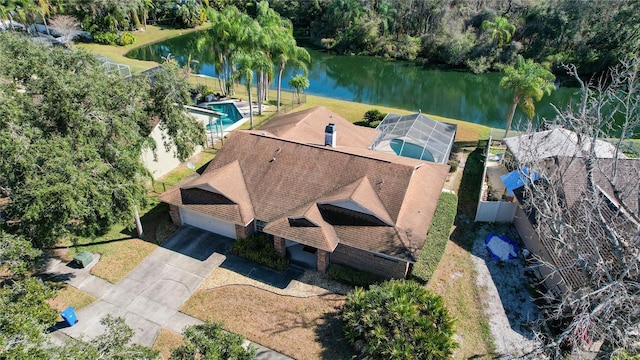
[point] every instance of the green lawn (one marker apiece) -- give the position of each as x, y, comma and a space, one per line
150, 35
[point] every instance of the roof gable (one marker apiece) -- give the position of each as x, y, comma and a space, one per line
228, 183
358, 197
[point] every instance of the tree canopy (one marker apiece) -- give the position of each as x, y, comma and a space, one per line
210, 341
399, 320
529, 81
585, 208
72, 135
24, 317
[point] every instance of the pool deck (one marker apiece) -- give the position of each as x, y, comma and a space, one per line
242, 106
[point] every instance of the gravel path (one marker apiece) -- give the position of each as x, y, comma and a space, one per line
507, 302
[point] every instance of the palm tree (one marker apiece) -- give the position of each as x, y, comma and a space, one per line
244, 71
146, 6
280, 46
299, 82
6, 7
500, 30
264, 67
45, 10
294, 54
229, 35
529, 82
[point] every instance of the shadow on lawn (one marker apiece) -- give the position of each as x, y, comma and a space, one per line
468, 194
330, 334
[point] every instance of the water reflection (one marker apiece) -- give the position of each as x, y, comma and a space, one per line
465, 96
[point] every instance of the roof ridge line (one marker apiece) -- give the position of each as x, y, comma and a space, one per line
328, 148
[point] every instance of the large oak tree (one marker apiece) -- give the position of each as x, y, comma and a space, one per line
71, 138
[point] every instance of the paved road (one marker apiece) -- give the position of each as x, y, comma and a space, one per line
150, 296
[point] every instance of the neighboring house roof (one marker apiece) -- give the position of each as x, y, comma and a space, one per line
428, 139
557, 142
308, 127
320, 196
619, 207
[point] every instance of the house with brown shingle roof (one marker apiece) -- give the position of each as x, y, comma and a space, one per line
345, 204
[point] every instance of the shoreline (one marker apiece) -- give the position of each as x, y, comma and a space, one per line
350, 110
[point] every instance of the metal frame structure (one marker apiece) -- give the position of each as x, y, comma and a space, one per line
435, 138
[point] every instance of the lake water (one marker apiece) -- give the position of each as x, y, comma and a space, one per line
458, 95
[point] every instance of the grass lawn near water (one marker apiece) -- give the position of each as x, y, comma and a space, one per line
351, 111
152, 34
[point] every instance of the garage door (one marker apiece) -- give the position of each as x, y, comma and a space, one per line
208, 223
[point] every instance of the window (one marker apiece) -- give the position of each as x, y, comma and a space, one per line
259, 225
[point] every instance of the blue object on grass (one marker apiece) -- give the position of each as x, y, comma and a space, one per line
69, 315
501, 248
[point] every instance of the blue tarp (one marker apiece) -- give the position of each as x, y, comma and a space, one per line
501, 248
518, 178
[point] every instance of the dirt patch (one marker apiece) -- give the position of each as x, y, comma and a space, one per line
302, 328
506, 300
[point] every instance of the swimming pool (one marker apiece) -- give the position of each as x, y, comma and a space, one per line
410, 150
230, 115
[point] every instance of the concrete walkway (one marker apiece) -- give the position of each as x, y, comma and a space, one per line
149, 297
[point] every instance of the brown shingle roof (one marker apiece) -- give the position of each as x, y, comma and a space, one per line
286, 179
228, 182
308, 126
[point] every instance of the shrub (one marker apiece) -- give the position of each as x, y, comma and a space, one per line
353, 277
189, 13
453, 166
399, 320
210, 341
107, 38
373, 115
259, 248
112, 38
437, 238
125, 38
374, 124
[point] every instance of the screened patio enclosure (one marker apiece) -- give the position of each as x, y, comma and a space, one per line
416, 136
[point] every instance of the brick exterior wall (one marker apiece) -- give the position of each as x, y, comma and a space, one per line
322, 263
369, 262
243, 232
280, 245
174, 212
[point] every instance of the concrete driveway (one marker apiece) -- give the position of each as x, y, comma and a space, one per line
150, 296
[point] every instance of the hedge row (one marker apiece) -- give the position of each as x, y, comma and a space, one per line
437, 238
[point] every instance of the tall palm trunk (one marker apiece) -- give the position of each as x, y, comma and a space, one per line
279, 86
46, 26
250, 106
260, 87
512, 111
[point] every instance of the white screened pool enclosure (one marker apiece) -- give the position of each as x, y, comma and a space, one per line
416, 136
